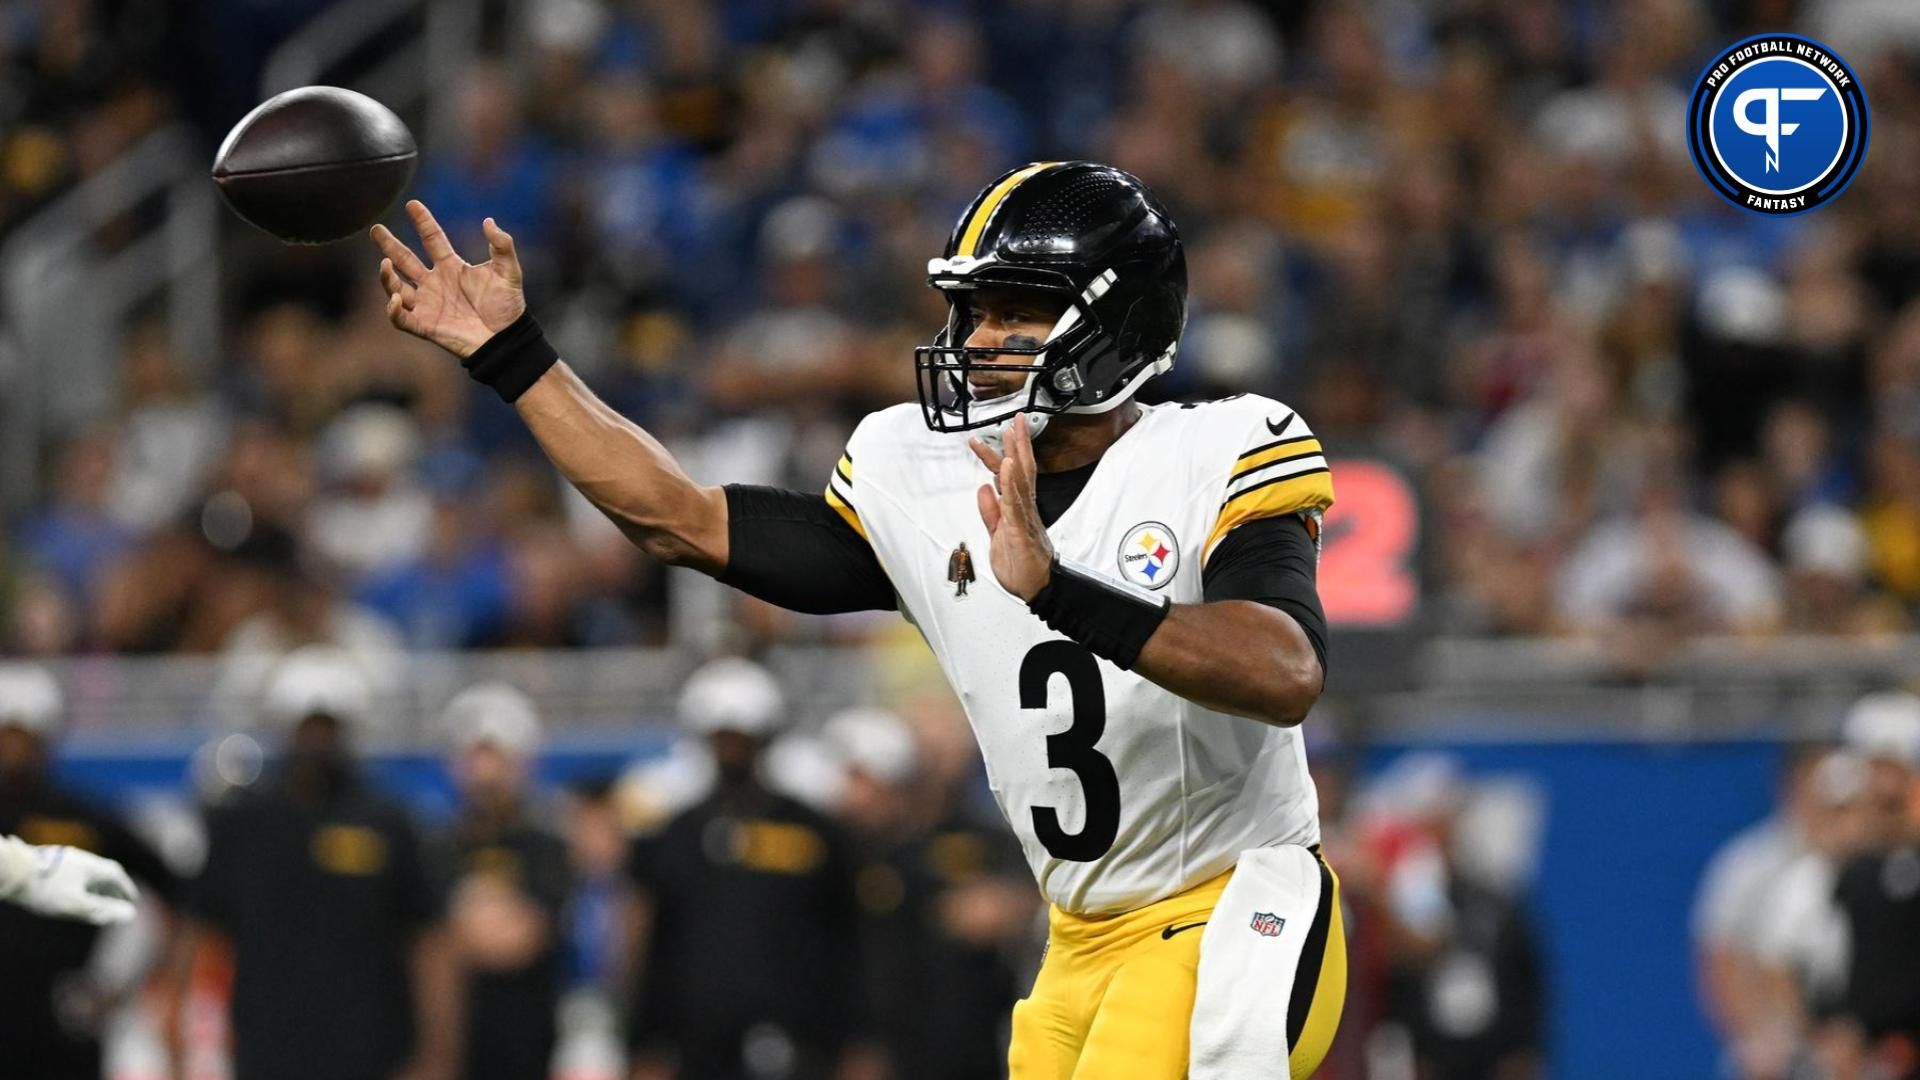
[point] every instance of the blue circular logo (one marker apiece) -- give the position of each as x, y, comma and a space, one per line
1778, 124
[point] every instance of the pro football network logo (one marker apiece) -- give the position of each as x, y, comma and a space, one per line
1778, 124
1149, 555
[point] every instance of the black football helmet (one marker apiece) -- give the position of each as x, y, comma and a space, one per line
1089, 232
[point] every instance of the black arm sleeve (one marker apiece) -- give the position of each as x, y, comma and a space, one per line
1271, 561
792, 549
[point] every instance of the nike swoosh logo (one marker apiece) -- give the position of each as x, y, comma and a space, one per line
1172, 930
1282, 425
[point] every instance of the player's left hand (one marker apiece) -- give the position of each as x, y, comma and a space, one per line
1022, 553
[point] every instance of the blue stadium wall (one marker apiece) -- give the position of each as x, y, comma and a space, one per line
1629, 828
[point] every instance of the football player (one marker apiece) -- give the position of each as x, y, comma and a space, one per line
1138, 652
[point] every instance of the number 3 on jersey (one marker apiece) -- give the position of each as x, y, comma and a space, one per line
1073, 749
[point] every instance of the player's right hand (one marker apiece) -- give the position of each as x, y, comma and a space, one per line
455, 304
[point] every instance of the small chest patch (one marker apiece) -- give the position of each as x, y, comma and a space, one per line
1149, 555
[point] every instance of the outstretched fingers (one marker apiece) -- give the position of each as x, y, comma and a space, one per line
397, 313
501, 251
397, 287
432, 237
402, 256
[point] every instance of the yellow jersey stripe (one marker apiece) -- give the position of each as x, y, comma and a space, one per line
845, 469
1288, 451
845, 509
1311, 490
970, 236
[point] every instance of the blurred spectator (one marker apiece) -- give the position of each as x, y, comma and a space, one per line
500, 171
1878, 893
1467, 982
371, 516
751, 952
597, 852
341, 968
1801, 939
1884, 729
640, 193
941, 905
1827, 585
171, 435
455, 593
507, 881
1671, 571
1892, 512
1735, 896
75, 539
791, 354
56, 996
284, 606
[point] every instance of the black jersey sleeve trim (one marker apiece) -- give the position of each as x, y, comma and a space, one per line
794, 549
1272, 561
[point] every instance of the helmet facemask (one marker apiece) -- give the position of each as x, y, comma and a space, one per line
1055, 380
944, 369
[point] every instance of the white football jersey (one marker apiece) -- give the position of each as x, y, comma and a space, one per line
1121, 792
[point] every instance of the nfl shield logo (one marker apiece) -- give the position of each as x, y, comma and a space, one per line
1267, 924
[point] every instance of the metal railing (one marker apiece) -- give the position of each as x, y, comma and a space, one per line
591, 694
1526, 691
1703, 688
66, 300
414, 69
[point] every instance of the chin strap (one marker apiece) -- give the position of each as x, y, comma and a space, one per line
995, 436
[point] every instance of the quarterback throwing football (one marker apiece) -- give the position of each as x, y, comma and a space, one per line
1135, 656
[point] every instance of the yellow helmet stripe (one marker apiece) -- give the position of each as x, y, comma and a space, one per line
970, 236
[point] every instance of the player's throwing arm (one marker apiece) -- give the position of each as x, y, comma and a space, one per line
478, 312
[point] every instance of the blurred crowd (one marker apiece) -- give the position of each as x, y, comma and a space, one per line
1804, 925
1462, 236
763, 901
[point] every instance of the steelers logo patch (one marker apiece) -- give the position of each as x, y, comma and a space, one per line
1149, 555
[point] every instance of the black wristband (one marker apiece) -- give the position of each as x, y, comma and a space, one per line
512, 360
1111, 621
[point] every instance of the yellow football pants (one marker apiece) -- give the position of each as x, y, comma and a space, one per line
1115, 993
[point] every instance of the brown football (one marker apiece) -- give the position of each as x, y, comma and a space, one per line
316, 164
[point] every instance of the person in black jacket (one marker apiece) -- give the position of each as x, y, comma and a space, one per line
944, 901
340, 965
750, 965
507, 880
51, 1008
1877, 894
